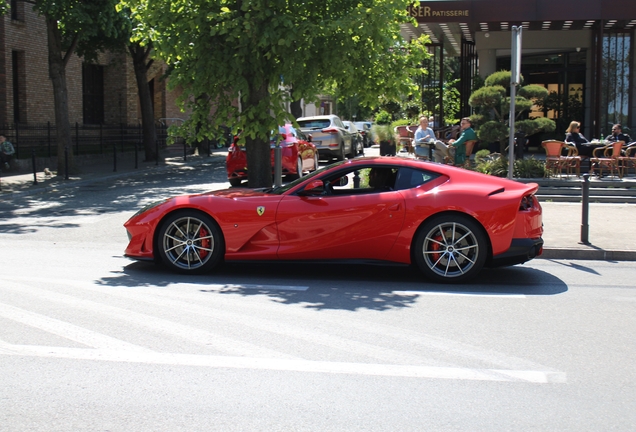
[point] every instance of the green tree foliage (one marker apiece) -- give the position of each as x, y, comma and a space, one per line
256, 51
492, 105
75, 27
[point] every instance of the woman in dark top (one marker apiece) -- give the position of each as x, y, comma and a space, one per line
573, 135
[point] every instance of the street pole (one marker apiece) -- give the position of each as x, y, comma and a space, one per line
278, 165
515, 80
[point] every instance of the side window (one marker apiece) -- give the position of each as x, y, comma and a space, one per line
339, 123
363, 181
408, 178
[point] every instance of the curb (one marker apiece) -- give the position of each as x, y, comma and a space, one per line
587, 254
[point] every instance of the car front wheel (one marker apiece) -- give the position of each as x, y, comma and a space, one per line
450, 248
190, 242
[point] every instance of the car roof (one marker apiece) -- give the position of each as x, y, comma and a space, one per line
318, 117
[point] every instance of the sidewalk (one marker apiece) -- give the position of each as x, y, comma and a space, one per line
610, 234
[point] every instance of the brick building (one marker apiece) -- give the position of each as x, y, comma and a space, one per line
102, 93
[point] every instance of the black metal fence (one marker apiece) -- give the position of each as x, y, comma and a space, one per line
40, 139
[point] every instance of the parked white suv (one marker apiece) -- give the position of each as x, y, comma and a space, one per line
329, 135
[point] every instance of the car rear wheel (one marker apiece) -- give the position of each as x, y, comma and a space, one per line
190, 242
450, 248
361, 148
236, 182
341, 155
299, 167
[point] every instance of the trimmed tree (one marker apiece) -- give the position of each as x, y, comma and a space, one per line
257, 51
492, 107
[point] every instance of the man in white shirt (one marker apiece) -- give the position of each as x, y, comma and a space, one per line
423, 136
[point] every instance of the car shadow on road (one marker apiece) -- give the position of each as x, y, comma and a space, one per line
350, 286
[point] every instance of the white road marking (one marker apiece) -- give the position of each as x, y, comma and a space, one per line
155, 324
66, 330
288, 365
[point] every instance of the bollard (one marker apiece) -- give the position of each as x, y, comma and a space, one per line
185, 150
356, 179
35, 177
585, 227
66, 162
156, 152
278, 166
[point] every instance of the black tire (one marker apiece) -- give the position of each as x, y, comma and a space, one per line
450, 248
190, 242
361, 148
341, 152
235, 182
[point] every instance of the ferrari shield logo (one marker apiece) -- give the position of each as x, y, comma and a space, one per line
260, 210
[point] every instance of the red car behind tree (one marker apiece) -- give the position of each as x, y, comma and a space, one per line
299, 155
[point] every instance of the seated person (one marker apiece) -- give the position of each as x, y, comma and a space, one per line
574, 136
618, 135
423, 135
6, 151
381, 179
456, 149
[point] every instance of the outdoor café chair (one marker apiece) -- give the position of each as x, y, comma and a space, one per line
607, 157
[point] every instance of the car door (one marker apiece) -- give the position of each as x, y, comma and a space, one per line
358, 225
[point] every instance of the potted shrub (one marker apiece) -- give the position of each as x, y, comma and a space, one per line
384, 135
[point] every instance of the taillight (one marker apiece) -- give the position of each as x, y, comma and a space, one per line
330, 130
527, 203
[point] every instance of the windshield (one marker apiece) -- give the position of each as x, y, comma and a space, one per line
314, 124
284, 188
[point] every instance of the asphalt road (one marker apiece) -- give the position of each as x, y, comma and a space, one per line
92, 341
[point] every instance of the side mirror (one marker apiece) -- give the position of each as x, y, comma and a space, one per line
313, 188
310, 138
343, 181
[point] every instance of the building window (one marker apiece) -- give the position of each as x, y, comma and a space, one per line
19, 86
616, 78
93, 93
17, 10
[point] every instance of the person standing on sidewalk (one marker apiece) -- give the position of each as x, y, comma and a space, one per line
6, 151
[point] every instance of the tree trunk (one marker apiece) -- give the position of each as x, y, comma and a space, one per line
259, 166
139, 56
57, 73
296, 109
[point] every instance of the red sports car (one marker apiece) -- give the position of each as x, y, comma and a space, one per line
448, 221
298, 155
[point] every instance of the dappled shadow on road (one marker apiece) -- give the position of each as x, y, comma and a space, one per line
112, 195
340, 286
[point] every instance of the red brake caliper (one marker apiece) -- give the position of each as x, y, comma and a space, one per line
204, 242
436, 246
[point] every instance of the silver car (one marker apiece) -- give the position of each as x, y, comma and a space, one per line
358, 138
329, 135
